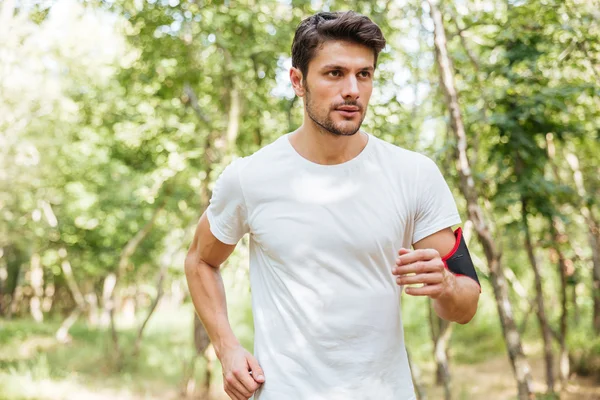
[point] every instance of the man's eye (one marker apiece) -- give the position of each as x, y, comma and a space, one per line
335, 73
365, 74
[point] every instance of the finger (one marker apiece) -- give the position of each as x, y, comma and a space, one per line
404, 251
236, 386
432, 291
244, 378
419, 267
417, 255
239, 393
429, 279
233, 395
257, 372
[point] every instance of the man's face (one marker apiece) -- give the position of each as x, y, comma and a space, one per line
338, 86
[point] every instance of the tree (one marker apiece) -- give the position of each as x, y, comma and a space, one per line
513, 341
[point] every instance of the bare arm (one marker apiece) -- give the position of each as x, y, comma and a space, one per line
455, 297
202, 270
458, 304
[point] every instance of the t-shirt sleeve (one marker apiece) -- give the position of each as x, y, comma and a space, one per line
435, 205
227, 213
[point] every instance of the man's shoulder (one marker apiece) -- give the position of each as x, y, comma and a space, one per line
274, 148
402, 155
264, 158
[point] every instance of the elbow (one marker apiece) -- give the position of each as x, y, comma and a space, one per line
192, 266
195, 266
468, 316
465, 320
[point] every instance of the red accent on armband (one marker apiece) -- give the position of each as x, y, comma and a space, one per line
458, 236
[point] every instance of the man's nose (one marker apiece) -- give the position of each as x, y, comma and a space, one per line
350, 90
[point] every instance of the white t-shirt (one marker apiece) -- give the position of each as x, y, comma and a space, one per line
323, 242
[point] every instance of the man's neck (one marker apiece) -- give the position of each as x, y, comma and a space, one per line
326, 148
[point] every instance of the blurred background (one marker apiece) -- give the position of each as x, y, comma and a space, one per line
117, 116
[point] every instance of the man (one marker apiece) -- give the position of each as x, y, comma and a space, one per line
332, 212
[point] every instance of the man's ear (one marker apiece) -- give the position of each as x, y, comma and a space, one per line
297, 81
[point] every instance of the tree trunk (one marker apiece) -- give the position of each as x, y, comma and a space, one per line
559, 236
107, 290
111, 280
3, 280
201, 341
539, 297
576, 310
441, 356
49, 292
113, 328
212, 155
518, 288
531, 306
233, 124
441, 331
71, 282
36, 280
16, 296
564, 366
593, 235
512, 338
416, 378
201, 346
93, 314
595, 242
165, 262
13, 257
62, 334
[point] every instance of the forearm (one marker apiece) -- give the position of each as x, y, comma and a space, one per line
459, 304
208, 296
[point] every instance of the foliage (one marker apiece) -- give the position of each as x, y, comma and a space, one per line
113, 110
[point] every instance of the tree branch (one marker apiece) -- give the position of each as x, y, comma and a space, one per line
189, 92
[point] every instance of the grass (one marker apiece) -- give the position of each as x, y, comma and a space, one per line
30, 358
33, 366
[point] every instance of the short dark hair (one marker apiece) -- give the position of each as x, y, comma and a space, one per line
347, 25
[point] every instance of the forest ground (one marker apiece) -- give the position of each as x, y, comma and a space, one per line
34, 366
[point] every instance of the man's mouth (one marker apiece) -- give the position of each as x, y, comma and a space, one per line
348, 111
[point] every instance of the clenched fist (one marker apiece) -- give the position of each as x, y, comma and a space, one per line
423, 266
242, 375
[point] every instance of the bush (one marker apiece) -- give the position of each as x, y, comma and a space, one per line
585, 353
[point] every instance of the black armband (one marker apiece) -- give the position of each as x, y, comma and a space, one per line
458, 261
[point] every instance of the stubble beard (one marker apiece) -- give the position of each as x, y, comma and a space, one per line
327, 124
